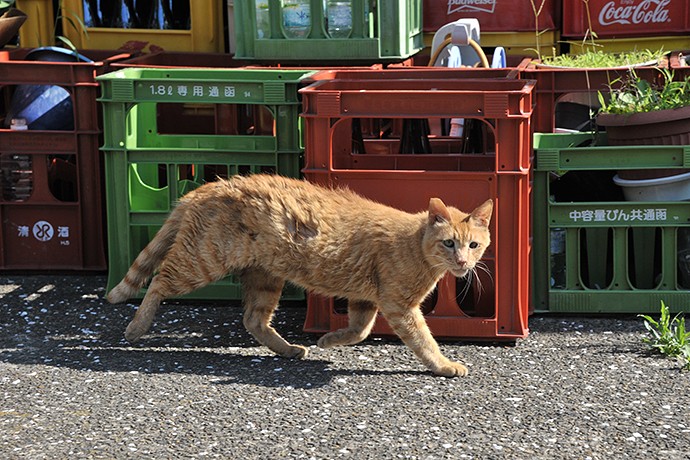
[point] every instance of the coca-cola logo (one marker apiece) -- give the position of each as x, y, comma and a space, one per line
481, 6
627, 12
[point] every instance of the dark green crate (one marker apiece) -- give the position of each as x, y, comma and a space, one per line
391, 31
146, 171
620, 256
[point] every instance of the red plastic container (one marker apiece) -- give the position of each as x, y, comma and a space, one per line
51, 188
493, 15
626, 18
177, 59
497, 311
556, 85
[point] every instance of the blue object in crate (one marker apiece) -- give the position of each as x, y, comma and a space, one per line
45, 107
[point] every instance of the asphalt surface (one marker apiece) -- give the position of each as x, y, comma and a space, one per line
199, 387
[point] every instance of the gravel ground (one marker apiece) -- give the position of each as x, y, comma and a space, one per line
199, 387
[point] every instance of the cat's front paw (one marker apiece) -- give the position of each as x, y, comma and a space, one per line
134, 332
450, 369
294, 351
328, 341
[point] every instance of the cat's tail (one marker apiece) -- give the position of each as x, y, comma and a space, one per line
148, 259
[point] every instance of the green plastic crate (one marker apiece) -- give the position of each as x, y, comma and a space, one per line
619, 256
390, 31
148, 169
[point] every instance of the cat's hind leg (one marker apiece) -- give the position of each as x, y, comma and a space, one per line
177, 277
261, 293
409, 324
143, 318
361, 318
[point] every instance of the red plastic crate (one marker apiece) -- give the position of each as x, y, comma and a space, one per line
407, 182
177, 59
626, 18
498, 310
60, 225
555, 85
507, 103
494, 16
679, 61
51, 188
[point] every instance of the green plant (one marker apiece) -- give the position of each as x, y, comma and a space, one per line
668, 335
637, 95
74, 21
537, 33
597, 59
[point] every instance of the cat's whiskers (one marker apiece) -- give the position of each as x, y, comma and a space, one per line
483, 267
466, 288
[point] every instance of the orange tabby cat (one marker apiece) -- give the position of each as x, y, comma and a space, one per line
270, 229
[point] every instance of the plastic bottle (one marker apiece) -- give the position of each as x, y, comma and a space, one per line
263, 26
558, 258
339, 18
296, 18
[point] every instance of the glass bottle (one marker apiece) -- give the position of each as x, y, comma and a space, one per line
339, 18
296, 18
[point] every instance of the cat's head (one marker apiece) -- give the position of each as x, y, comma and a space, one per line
454, 241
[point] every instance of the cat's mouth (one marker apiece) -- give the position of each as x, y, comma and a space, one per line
459, 272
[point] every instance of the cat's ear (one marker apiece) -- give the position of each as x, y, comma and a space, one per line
482, 213
438, 211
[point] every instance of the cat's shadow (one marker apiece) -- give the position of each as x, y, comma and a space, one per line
221, 365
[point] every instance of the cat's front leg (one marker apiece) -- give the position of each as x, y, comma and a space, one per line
409, 324
361, 317
261, 293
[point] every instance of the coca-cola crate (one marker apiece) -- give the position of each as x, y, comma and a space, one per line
577, 89
340, 151
51, 201
493, 15
626, 18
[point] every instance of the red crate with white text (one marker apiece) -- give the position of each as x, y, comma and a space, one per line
625, 18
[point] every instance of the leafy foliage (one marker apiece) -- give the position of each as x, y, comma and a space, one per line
637, 95
596, 59
668, 336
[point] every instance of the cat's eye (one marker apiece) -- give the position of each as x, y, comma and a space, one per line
474, 245
449, 243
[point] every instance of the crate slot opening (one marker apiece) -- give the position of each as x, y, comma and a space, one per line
432, 144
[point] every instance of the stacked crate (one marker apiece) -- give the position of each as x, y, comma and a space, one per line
510, 25
593, 251
167, 131
372, 32
196, 26
51, 203
627, 25
496, 166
